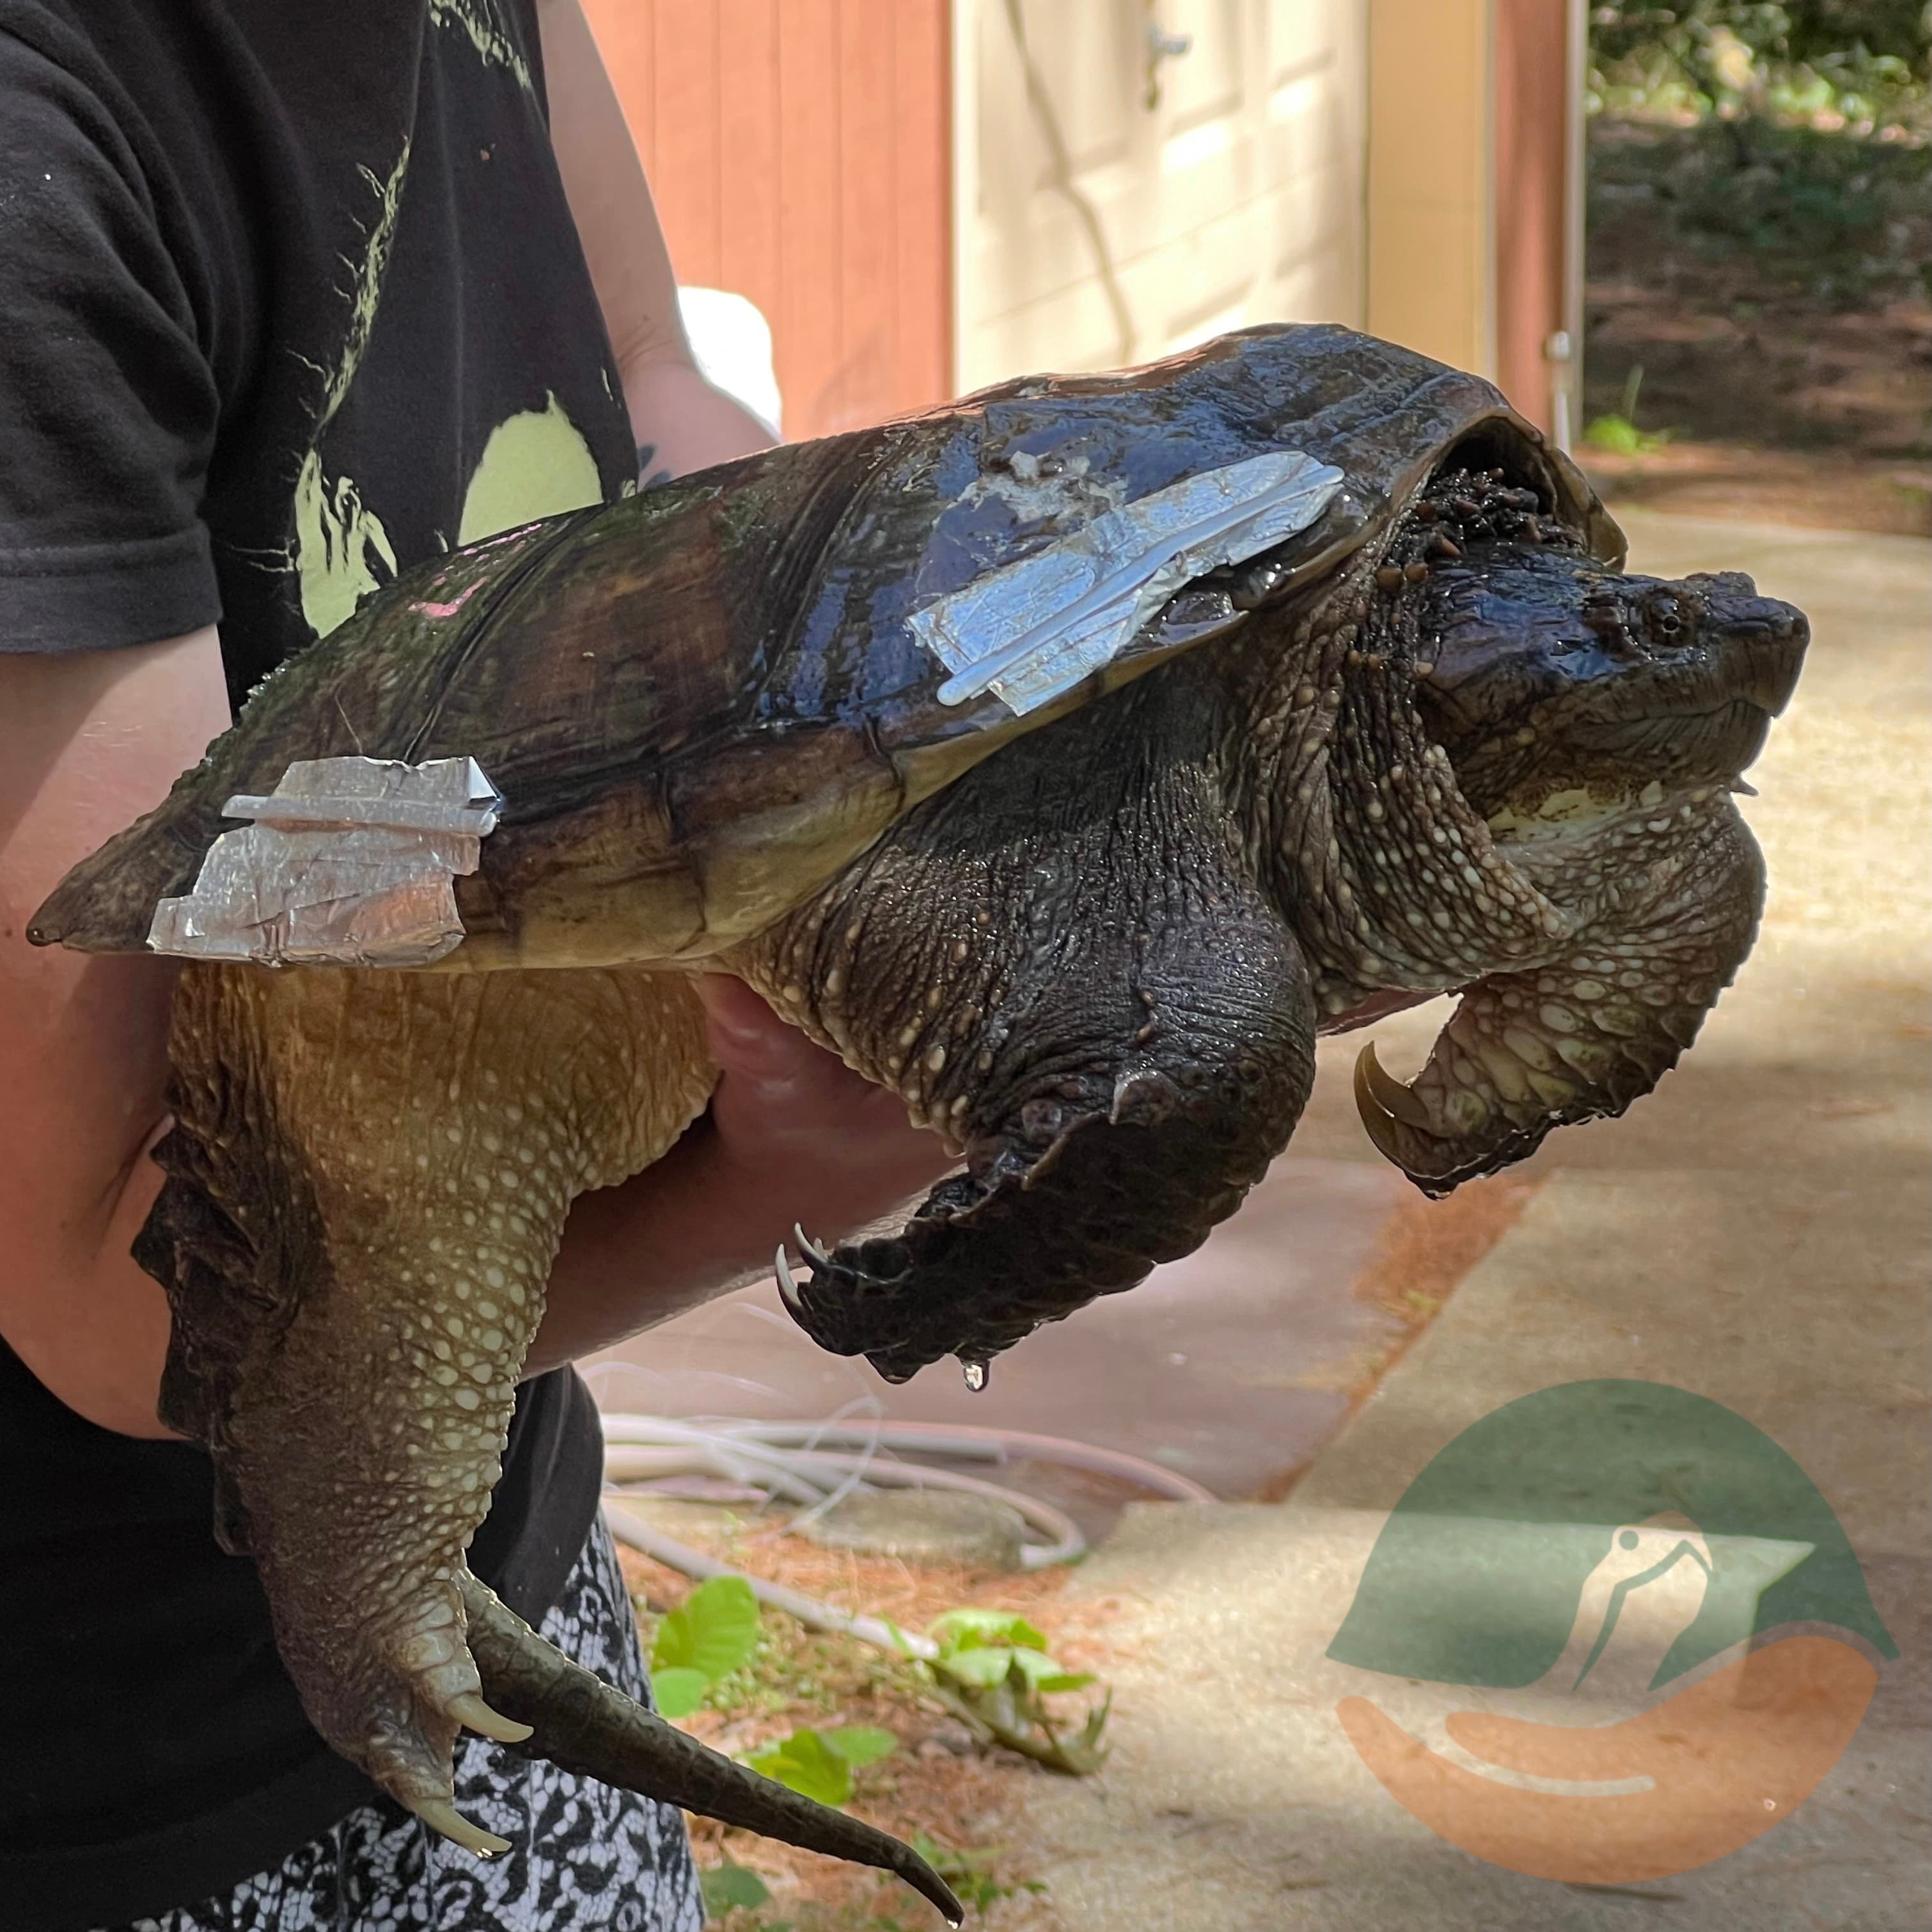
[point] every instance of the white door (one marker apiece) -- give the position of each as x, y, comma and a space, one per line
1093, 228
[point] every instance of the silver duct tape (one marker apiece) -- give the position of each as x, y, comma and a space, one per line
1058, 616
350, 861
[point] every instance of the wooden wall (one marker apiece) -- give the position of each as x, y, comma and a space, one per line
1532, 122
800, 154
1432, 285
1473, 202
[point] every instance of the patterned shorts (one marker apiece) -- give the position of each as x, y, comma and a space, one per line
583, 1857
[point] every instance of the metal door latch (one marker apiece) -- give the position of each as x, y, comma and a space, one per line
1161, 46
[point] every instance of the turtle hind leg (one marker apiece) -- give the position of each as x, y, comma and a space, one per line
1066, 963
579, 1722
367, 1180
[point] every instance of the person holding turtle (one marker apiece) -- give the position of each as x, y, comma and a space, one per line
291, 299
1069, 757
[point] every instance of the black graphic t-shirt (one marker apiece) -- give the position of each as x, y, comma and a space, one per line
290, 296
290, 299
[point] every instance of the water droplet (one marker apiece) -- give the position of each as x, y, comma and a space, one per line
976, 1377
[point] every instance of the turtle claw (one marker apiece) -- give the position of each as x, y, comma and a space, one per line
1436, 1163
470, 1710
788, 1291
439, 1815
1373, 1084
1377, 1121
1395, 1120
838, 1283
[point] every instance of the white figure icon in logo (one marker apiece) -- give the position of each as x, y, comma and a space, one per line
1634, 1607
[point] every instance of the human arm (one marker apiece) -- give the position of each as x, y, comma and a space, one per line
791, 1133
681, 422
88, 741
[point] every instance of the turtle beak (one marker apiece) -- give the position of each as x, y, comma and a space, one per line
1764, 639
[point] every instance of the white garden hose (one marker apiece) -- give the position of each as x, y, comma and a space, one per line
627, 1528
817, 1465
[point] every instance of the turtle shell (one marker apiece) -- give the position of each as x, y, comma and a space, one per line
699, 704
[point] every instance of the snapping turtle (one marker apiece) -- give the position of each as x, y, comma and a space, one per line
1066, 759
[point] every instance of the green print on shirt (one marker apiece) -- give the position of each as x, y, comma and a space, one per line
336, 539
335, 536
479, 18
535, 463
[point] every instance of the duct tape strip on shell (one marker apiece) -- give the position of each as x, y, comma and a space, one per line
1033, 629
349, 862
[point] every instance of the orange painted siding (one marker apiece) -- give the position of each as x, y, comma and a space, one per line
800, 154
1531, 135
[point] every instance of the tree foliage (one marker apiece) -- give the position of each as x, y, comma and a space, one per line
1795, 31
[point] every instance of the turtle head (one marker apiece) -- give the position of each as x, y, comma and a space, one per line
1593, 724
1562, 690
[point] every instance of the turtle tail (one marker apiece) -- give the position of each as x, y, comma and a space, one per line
579, 1722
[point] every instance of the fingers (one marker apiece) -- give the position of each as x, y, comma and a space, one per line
747, 1038
796, 1117
754, 1048
776, 1083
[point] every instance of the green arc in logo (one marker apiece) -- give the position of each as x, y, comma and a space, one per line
1476, 1575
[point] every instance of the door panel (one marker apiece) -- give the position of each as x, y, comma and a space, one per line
1097, 229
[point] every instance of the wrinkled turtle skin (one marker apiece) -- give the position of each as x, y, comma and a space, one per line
1437, 741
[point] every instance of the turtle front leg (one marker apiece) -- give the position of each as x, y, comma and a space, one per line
368, 1182
1065, 964
1581, 1037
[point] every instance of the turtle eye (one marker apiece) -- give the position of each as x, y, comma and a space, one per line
1664, 619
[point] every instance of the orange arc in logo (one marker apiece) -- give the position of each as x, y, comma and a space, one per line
1728, 1759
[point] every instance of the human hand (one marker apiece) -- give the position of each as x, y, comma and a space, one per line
797, 1122
792, 1136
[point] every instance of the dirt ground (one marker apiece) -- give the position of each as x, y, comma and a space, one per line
971, 1799
1786, 362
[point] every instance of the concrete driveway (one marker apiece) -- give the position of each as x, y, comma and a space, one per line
1756, 1233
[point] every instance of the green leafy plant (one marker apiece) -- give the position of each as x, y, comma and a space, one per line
1837, 217
820, 1764
861, 1744
727, 1887
1827, 63
992, 1671
980, 1648
1618, 433
712, 1633
994, 1674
